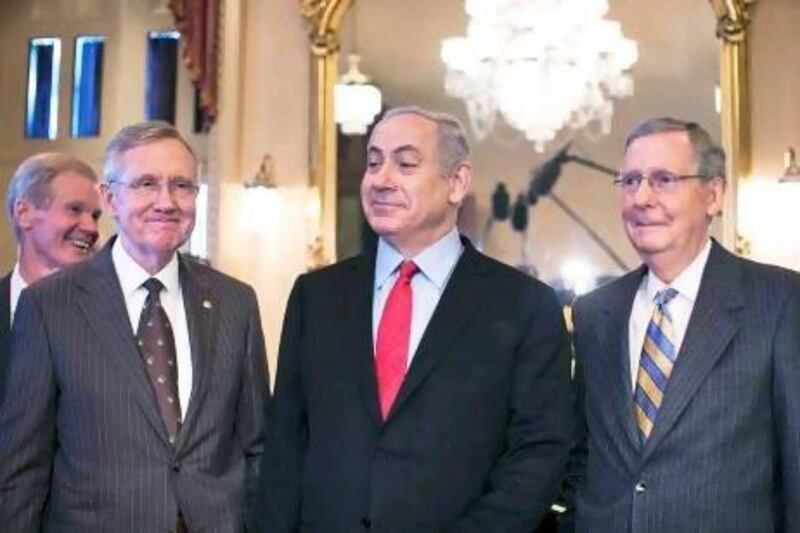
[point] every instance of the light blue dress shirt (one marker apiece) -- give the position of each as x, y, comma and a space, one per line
436, 264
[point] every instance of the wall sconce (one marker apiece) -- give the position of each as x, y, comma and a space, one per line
791, 171
265, 177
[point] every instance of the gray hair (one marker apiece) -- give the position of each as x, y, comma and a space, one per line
133, 136
31, 181
709, 157
452, 146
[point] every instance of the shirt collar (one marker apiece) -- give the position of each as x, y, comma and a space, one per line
17, 285
16, 278
132, 275
435, 262
687, 283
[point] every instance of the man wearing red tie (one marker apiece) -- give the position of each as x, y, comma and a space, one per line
421, 385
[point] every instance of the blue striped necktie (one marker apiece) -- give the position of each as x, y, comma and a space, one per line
655, 365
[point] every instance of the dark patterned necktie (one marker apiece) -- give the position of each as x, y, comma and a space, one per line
157, 347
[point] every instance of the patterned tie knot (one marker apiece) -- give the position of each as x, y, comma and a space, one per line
153, 286
663, 297
407, 271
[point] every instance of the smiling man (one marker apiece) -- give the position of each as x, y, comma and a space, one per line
53, 206
137, 381
688, 369
421, 386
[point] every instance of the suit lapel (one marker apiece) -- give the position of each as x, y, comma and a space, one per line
103, 304
712, 326
459, 302
357, 305
200, 306
614, 342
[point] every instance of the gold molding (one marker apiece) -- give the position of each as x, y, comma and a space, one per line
733, 17
324, 18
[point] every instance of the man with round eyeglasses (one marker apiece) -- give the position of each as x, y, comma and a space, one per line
688, 368
137, 381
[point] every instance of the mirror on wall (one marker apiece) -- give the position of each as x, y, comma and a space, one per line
573, 235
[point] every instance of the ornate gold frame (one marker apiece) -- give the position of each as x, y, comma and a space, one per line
732, 22
324, 18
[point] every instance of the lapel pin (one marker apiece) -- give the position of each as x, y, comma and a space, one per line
207, 304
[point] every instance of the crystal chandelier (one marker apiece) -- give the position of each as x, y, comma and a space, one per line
355, 101
542, 64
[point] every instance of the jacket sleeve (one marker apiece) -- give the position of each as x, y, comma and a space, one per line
27, 421
252, 406
786, 406
287, 429
576, 466
525, 479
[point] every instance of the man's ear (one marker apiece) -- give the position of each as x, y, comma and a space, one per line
107, 198
24, 212
460, 182
716, 191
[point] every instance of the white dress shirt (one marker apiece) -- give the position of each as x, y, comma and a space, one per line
436, 264
131, 276
17, 284
680, 307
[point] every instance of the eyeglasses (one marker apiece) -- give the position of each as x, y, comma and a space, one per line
660, 180
179, 188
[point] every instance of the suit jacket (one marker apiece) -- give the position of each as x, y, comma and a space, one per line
724, 454
5, 321
477, 438
80, 430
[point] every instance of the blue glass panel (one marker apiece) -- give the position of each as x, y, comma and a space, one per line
44, 61
161, 75
87, 86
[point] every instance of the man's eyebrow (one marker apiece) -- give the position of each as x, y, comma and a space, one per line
406, 149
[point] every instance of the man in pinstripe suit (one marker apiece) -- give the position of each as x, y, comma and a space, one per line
53, 207
688, 368
137, 384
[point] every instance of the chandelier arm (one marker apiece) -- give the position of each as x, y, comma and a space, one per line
591, 164
589, 231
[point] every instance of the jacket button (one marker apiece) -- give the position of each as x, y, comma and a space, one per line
640, 487
176, 467
366, 522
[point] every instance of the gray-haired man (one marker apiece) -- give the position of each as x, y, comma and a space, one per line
53, 206
688, 368
137, 379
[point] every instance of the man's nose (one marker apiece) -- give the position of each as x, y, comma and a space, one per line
382, 178
165, 199
644, 194
88, 223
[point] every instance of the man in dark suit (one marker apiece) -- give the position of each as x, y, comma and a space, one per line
421, 386
137, 381
688, 368
53, 207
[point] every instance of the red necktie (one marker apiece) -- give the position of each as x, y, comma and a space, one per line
394, 330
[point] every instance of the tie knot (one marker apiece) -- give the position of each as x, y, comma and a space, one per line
663, 297
153, 286
407, 270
